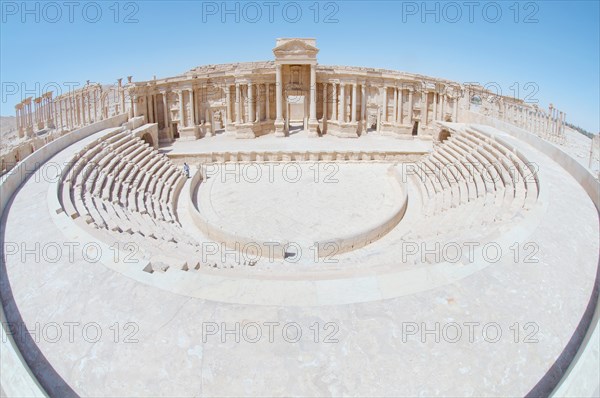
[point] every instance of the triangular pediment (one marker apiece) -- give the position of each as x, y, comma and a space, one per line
295, 48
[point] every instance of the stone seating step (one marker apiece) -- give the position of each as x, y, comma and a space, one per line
472, 179
458, 188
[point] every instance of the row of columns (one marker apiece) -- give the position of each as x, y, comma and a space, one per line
440, 103
69, 111
340, 115
398, 113
250, 103
24, 116
546, 124
252, 111
83, 107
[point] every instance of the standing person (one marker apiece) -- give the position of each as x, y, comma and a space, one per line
186, 169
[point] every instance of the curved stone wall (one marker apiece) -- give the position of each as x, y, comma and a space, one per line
15, 376
340, 244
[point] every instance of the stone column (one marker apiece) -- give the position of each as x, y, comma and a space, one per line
354, 96
74, 112
313, 94
154, 109
334, 103
50, 110
146, 109
165, 111
23, 114
53, 112
64, 108
65, 103
78, 117
455, 109
238, 105
181, 113
268, 101
150, 104
82, 108
395, 117
227, 105
384, 105
410, 106
147, 99
250, 117
131, 103
424, 107
89, 105
442, 106
30, 116
202, 100
60, 110
313, 124
44, 110
69, 109
342, 103
26, 115
96, 104
192, 107
20, 124
400, 110
122, 95
279, 123
324, 103
363, 97
18, 116
136, 105
35, 111
258, 102
436, 97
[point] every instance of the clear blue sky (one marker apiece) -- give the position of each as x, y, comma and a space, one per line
555, 45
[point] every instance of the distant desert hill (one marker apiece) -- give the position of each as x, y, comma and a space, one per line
8, 132
7, 124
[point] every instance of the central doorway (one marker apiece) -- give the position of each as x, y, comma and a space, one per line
415, 129
297, 112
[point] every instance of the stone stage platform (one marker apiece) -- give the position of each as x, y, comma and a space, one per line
371, 142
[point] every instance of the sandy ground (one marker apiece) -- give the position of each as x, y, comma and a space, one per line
578, 146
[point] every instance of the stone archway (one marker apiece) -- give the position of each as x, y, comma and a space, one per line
148, 139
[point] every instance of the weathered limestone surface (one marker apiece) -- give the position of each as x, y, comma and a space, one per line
519, 319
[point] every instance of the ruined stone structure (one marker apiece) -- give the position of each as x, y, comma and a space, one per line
404, 226
252, 99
